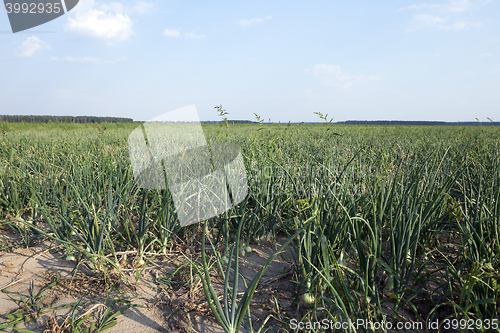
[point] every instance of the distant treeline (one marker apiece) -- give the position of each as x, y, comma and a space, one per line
98, 120
64, 119
401, 122
372, 122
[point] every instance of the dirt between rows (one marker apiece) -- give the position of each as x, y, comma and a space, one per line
167, 289
169, 302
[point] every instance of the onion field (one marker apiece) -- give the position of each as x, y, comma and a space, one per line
383, 223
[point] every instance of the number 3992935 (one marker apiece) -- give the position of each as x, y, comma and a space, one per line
33, 8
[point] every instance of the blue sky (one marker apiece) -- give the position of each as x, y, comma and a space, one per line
284, 60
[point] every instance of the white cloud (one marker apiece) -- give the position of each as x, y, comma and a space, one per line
177, 33
190, 35
171, 32
444, 16
449, 6
113, 7
430, 20
87, 59
484, 55
97, 23
465, 5
461, 25
79, 59
108, 21
347, 80
420, 6
248, 22
459, 5
143, 7
434, 21
361, 77
31, 45
323, 69
332, 75
140, 7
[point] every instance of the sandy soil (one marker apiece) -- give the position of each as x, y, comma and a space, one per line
166, 307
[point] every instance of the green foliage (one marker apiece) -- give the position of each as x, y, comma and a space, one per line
31, 308
222, 113
324, 117
391, 208
231, 314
